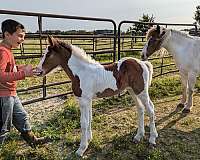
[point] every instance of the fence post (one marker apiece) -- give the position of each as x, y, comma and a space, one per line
44, 90
161, 68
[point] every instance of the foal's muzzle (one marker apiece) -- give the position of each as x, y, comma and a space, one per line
143, 58
38, 72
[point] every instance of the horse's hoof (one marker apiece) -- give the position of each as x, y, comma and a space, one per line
186, 110
135, 141
152, 146
79, 153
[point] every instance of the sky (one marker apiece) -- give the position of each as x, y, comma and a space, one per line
166, 11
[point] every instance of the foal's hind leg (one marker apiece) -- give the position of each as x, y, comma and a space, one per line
140, 110
153, 131
146, 101
89, 134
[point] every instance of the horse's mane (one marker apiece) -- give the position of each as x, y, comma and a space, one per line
179, 33
150, 32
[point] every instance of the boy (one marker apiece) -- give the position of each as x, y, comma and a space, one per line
11, 109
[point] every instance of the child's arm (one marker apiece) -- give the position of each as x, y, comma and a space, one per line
11, 76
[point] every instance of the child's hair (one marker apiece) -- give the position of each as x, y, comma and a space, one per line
11, 26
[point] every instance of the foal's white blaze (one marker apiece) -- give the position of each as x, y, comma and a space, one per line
39, 67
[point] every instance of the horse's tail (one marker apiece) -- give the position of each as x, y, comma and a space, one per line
150, 68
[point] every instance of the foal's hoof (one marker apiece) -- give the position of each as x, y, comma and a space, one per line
135, 141
186, 110
180, 106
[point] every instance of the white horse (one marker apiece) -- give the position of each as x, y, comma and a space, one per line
186, 52
90, 79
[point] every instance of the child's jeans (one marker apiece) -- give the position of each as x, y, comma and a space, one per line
12, 112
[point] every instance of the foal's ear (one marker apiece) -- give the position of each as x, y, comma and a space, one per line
51, 40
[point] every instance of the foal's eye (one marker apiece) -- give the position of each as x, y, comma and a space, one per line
152, 39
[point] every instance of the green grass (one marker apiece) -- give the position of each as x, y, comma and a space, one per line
165, 87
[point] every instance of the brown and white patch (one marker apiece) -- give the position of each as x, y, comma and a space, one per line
130, 74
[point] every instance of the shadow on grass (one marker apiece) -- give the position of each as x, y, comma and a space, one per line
171, 144
172, 114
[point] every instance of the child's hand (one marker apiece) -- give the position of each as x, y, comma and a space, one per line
28, 70
20, 67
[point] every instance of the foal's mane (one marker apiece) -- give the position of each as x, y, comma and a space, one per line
78, 53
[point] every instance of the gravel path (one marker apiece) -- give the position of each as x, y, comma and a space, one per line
39, 112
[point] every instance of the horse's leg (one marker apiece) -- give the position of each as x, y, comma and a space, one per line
140, 110
191, 84
145, 99
184, 82
85, 120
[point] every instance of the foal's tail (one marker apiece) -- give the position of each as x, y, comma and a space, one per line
150, 68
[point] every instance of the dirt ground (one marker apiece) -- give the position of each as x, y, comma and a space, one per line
41, 111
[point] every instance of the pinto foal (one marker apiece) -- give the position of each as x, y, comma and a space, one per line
91, 80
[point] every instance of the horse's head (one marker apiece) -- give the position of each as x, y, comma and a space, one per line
56, 54
154, 40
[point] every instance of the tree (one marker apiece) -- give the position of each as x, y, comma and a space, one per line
197, 14
140, 29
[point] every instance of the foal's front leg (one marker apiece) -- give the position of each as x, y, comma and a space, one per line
85, 106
